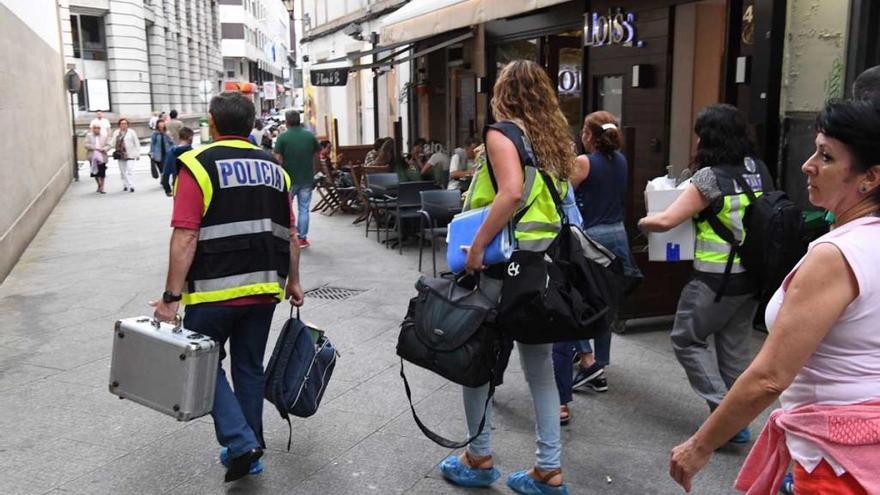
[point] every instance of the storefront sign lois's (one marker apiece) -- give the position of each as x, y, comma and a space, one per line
614, 28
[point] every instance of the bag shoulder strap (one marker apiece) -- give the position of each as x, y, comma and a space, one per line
512, 132
436, 438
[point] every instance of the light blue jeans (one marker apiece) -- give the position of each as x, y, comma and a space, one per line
303, 195
537, 366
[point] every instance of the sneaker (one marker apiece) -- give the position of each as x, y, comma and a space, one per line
743, 436
125, 189
303, 244
131, 190
463, 475
584, 375
787, 487
256, 466
521, 482
598, 384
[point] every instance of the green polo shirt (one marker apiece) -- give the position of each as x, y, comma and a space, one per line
298, 147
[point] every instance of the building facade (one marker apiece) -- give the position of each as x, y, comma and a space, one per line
36, 154
141, 56
347, 97
256, 44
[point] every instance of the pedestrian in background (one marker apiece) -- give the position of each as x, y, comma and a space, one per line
867, 85
230, 294
160, 146
438, 161
712, 303
600, 182
102, 122
523, 97
153, 120
821, 357
170, 169
97, 146
297, 150
174, 126
126, 152
461, 165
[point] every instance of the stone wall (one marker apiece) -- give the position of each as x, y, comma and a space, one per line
36, 163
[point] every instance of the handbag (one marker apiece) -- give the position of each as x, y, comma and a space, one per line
450, 329
299, 370
561, 294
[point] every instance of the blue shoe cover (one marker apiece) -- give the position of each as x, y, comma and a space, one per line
787, 485
463, 475
256, 467
521, 482
743, 436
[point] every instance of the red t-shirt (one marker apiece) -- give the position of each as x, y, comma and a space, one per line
187, 214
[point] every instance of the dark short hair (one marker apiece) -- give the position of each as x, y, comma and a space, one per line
856, 124
724, 137
867, 85
420, 142
292, 118
233, 114
471, 141
173, 114
324, 143
123, 119
258, 125
186, 134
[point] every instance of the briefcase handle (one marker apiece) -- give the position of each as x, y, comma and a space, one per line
178, 322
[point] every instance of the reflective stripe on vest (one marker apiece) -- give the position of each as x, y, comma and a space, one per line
540, 224
244, 227
711, 251
236, 286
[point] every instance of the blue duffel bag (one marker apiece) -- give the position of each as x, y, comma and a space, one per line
299, 370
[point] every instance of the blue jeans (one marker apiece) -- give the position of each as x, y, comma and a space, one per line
303, 195
538, 369
238, 416
563, 369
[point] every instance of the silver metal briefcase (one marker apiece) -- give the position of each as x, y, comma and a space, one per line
164, 367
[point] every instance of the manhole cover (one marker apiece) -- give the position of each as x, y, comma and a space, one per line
332, 293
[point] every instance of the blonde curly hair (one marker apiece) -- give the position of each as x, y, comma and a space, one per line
525, 95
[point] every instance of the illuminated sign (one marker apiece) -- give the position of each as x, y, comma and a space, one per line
569, 81
614, 28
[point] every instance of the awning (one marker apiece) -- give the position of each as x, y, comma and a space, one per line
395, 49
423, 18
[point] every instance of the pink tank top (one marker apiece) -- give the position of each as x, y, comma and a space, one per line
845, 369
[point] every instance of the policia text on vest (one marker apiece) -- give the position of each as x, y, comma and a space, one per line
236, 173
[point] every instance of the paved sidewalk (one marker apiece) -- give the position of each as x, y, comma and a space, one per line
102, 257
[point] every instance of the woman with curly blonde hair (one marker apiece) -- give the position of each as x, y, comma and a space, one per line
531, 136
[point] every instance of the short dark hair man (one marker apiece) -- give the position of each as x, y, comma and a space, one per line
297, 151
867, 85
232, 194
173, 127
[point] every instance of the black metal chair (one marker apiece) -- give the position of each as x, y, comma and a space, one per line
407, 206
377, 198
438, 208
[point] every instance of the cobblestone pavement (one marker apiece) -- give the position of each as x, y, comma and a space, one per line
102, 257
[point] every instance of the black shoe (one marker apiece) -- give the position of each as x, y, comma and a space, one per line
125, 189
598, 384
241, 465
131, 190
585, 375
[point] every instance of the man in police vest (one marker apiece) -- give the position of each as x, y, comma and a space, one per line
234, 256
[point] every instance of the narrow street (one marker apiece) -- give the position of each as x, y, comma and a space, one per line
102, 257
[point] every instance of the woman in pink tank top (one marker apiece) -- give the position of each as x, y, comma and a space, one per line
822, 357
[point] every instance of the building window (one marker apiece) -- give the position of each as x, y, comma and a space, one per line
89, 42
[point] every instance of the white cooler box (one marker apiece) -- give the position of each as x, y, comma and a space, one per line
676, 244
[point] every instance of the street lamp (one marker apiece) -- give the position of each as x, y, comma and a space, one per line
73, 83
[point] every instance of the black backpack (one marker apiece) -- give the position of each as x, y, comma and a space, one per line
299, 370
775, 239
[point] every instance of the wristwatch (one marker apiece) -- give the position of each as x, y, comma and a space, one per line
168, 297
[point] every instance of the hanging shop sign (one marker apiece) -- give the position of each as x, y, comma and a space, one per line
617, 27
330, 77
